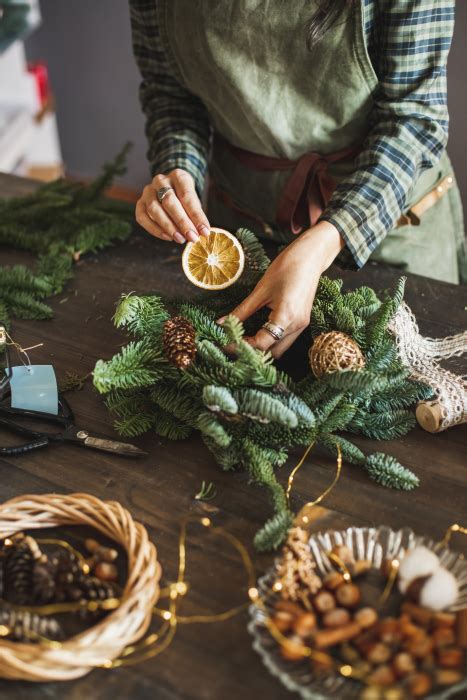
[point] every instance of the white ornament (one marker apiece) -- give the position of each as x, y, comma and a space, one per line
418, 562
440, 591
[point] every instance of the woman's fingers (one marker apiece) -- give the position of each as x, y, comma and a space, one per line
263, 339
283, 345
173, 209
149, 225
186, 192
180, 215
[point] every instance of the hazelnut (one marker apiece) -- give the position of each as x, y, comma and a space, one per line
419, 684
444, 619
91, 545
336, 618
288, 606
403, 664
343, 553
348, 595
379, 653
389, 630
446, 676
324, 602
372, 692
107, 553
305, 624
366, 617
443, 637
106, 571
393, 694
283, 620
419, 646
329, 637
408, 629
382, 676
333, 580
292, 649
451, 657
422, 616
349, 653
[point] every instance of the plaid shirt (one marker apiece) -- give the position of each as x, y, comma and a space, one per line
408, 42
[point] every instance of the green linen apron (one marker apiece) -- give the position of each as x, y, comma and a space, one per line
248, 62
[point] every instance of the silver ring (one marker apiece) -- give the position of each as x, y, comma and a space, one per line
162, 193
273, 329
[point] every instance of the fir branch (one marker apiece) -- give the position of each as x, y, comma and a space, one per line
387, 471
211, 427
219, 398
273, 532
204, 322
350, 452
137, 365
264, 408
167, 426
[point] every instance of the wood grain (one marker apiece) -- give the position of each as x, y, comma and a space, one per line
212, 662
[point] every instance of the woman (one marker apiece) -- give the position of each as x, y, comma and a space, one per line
329, 124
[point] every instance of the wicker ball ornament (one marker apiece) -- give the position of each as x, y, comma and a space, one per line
333, 352
102, 643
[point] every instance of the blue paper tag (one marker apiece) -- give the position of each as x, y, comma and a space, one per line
34, 388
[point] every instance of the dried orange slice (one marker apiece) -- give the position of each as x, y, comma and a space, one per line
215, 261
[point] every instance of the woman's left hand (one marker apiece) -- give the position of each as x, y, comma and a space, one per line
289, 285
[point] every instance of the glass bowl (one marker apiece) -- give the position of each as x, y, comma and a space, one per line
375, 545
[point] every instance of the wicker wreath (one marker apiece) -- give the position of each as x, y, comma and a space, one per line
104, 642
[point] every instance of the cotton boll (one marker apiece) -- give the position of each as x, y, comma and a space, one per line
417, 563
440, 591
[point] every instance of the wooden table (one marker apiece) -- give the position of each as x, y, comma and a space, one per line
210, 662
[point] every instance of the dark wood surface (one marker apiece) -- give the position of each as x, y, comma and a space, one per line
210, 662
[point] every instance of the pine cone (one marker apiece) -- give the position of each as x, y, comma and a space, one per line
43, 582
179, 341
92, 588
68, 575
18, 572
29, 627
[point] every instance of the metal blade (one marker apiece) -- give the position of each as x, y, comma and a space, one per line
113, 446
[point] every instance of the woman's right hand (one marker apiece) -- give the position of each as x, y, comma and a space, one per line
180, 216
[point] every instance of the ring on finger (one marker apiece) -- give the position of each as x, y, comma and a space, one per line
273, 329
163, 192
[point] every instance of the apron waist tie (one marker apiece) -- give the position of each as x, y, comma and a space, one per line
309, 187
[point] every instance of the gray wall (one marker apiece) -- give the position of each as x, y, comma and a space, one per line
87, 46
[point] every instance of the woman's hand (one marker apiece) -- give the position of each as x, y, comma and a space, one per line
289, 285
179, 217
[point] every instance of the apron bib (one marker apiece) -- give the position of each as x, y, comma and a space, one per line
247, 60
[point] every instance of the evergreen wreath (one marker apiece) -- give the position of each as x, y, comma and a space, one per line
248, 412
58, 223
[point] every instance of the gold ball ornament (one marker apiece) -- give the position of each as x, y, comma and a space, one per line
333, 352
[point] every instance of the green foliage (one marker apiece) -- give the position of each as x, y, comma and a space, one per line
387, 471
249, 413
58, 223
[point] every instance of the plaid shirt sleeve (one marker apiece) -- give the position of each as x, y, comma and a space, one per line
177, 124
409, 122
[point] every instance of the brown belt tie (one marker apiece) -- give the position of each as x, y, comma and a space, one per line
308, 189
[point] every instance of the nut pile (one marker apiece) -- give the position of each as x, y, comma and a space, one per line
403, 656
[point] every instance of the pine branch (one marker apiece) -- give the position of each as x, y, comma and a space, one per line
273, 532
136, 366
387, 471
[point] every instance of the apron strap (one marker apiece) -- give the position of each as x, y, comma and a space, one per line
309, 187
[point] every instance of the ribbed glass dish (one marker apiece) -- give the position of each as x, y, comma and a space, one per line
375, 545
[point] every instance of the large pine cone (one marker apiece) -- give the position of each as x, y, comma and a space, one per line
18, 568
179, 341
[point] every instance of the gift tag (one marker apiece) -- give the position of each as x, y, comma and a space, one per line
34, 387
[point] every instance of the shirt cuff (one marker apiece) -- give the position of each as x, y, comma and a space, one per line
360, 241
178, 153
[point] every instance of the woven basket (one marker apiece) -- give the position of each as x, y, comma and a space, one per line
104, 642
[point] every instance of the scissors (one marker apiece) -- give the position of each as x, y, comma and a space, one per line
11, 419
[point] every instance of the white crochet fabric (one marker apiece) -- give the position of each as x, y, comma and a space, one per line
421, 355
